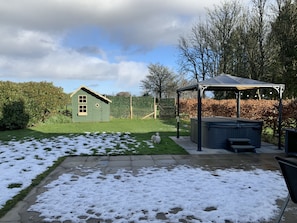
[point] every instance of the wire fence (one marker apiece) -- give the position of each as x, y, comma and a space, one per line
141, 107
131, 107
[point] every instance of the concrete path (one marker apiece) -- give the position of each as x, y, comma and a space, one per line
110, 164
191, 147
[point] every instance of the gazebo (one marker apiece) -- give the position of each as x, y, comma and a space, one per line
225, 82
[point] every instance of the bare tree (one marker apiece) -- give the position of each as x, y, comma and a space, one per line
160, 81
207, 51
200, 43
223, 21
123, 94
260, 6
187, 59
195, 53
239, 41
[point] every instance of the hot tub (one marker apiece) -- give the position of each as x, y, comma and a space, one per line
216, 131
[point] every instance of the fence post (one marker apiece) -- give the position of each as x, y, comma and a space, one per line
155, 108
131, 108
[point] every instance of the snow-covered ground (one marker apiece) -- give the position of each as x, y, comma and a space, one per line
21, 161
151, 195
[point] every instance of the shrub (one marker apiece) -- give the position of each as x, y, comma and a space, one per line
14, 116
266, 110
26, 104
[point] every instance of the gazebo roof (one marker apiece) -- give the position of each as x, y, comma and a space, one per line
231, 83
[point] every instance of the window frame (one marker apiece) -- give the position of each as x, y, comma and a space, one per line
82, 99
82, 110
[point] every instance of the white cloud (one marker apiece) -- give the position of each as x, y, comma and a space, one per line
33, 54
25, 43
131, 73
128, 22
69, 64
33, 33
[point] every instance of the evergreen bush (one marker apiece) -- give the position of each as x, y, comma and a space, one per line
26, 104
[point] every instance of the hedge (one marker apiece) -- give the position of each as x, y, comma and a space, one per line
26, 104
266, 110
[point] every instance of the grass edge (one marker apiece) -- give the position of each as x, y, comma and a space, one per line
23, 193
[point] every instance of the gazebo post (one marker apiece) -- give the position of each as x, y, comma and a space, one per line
280, 111
199, 112
177, 115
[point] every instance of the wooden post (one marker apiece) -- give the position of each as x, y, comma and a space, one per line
155, 108
131, 108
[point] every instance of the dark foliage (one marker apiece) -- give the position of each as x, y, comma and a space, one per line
26, 104
266, 110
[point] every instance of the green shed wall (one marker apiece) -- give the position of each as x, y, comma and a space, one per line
95, 113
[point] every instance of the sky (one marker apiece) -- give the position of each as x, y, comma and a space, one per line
104, 45
178, 192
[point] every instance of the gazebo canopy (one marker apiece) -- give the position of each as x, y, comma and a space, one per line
226, 82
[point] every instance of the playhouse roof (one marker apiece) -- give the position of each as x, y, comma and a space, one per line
95, 94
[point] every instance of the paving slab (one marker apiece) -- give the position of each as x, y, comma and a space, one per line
191, 147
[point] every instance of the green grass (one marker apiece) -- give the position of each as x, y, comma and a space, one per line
141, 129
115, 125
267, 136
14, 185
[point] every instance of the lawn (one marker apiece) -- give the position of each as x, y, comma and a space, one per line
115, 125
142, 130
26, 155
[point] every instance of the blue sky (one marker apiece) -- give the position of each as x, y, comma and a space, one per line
105, 45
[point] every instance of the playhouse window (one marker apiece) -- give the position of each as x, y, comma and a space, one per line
82, 99
82, 110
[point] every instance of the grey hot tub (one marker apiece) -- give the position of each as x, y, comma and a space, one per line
216, 131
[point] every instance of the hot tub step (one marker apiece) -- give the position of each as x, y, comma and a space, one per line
239, 141
243, 148
241, 145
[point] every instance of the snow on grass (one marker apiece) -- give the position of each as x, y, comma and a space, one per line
181, 194
162, 195
21, 161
